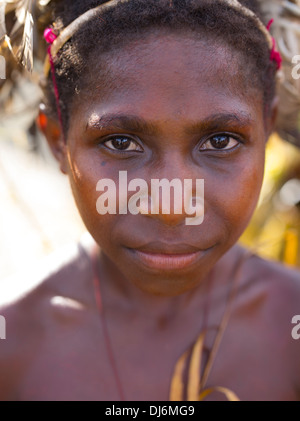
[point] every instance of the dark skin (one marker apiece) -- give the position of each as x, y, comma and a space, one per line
55, 347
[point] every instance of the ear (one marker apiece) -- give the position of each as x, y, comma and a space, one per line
52, 132
272, 117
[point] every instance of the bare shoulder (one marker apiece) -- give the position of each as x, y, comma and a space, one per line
280, 284
269, 299
32, 304
275, 283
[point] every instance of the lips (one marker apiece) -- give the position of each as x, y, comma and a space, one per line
158, 247
163, 256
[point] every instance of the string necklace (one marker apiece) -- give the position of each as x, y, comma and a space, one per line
196, 389
107, 339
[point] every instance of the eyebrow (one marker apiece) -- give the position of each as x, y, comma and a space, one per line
221, 121
133, 123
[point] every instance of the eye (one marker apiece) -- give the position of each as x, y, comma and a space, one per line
123, 144
220, 142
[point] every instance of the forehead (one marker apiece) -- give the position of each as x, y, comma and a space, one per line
172, 74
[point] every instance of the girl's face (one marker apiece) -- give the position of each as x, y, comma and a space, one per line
177, 108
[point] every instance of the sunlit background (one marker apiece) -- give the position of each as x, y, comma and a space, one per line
274, 231
37, 212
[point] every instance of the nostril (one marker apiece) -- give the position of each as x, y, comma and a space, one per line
174, 202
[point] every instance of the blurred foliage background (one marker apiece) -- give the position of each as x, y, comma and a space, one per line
274, 231
37, 211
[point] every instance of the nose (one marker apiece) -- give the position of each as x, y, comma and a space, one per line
175, 201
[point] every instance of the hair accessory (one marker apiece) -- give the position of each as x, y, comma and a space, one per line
235, 4
74, 26
70, 30
275, 54
50, 37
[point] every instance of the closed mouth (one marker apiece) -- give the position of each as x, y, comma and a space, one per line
167, 257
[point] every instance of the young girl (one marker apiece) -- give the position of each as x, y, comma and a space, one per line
156, 309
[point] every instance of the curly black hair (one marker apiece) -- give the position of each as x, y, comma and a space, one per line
132, 19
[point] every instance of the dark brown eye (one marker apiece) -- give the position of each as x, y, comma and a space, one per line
122, 143
220, 142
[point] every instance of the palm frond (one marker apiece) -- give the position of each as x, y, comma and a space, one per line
2, 20
21, 35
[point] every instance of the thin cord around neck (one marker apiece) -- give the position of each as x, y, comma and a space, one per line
107, 338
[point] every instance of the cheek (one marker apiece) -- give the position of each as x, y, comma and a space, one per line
232, 197
85, 169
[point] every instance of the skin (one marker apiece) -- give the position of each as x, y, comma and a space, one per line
56, 347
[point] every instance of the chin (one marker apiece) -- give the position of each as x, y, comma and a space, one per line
168, 282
